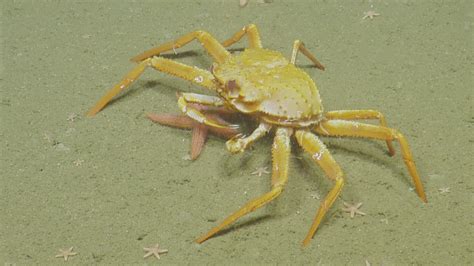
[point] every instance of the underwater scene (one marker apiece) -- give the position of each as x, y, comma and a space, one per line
242, 132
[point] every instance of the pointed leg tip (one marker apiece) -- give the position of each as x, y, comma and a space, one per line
200, 240
422, 195
306, 242
205, 237
94, 110
424, 199
91, 114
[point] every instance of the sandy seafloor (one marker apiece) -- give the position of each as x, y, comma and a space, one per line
131, 187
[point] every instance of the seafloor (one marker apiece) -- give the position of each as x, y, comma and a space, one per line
110, 185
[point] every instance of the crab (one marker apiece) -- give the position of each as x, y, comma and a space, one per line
264, 85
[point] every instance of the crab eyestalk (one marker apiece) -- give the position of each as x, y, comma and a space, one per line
232, 88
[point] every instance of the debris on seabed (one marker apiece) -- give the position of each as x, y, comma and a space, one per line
244, 3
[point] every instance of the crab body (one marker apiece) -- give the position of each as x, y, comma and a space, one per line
263, 84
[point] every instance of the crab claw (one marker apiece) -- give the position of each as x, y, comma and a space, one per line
236, 144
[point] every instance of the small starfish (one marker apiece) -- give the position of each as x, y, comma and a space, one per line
315, 195
72, 117
260, 171
353, 209
156, 251
200, 131
65, 253
370, 14
444, 190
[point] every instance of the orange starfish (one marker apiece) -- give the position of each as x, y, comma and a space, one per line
200, 131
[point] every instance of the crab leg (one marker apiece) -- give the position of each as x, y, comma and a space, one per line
361, 114
129, 78
281, 153
212, 46
239, 144
196, 75
354, 129
254, 37
184, 103
202, 99
319, 153
298, 46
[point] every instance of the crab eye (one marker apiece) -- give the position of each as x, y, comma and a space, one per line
232, 88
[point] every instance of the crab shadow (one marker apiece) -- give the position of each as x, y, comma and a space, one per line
360, 150
167, 89
246, 223
138, 87
364, 150
232, 164
194, 53
199, 60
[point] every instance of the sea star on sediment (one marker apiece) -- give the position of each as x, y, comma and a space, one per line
155, 251
444, 190
260, 171
370, 14
353, 209
200, 131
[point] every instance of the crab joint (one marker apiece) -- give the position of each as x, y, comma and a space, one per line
317, 155
199, 79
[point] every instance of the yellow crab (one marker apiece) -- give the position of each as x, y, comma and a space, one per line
263, 84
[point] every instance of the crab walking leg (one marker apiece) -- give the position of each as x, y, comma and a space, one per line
202, 99
239, 144
196, 75
212, 46
298, 46
252, 33
361, 114
354, 129
185, 101
197, 115
129, 78
281, 153
319, 153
